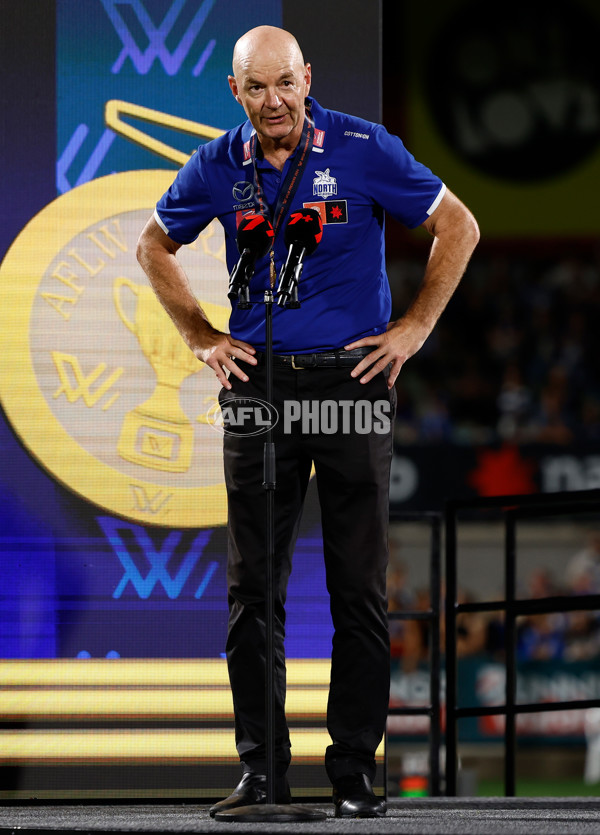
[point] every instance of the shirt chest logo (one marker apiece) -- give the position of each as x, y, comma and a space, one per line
324, 185
319, 139
243, 191
331, 211
243, 194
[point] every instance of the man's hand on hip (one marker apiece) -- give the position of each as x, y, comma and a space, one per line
220, 353
399, 342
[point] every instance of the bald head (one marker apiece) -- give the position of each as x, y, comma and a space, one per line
266, 44
271, 81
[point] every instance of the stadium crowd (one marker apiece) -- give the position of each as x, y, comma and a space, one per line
513, 358
560, 636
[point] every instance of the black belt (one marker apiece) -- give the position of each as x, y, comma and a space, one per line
323, 359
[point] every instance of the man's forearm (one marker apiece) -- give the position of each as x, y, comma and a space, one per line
448, 260
157, 255
172, 287
456, 235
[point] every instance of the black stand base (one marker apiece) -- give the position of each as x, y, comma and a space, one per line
270, 813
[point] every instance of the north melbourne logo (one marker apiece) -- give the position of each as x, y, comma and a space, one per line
324, 185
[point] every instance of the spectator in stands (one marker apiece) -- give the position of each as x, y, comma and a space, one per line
433, 421
400, 599
590, 417
583, 569
582, 637
541, 637
406, 640
514, 403
471, 629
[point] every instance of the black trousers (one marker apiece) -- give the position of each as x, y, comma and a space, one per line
352, 470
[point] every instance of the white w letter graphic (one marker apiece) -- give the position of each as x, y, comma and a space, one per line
157, 36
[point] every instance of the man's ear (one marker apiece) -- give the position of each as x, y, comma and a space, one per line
233, 87
307, 77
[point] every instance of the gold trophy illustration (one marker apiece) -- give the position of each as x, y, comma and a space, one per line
158, 433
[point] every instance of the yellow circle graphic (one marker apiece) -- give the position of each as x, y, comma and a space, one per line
94, 377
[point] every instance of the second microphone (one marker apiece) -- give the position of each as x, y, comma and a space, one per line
303, 234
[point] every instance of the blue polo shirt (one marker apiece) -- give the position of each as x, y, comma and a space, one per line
356, 171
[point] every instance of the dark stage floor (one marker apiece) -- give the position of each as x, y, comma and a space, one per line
418, 816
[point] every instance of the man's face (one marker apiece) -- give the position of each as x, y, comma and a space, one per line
272, 93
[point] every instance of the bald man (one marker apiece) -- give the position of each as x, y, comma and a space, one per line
339, 351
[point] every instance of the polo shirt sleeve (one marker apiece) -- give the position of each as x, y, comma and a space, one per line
187, 207
401, 185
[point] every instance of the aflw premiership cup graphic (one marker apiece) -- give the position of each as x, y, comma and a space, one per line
157, 433
122, 420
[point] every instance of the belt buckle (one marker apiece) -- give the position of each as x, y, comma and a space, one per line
297, 367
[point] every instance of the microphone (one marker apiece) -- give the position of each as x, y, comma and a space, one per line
303, 233
254, 237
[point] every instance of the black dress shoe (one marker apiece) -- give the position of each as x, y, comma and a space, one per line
353, 797
252, 789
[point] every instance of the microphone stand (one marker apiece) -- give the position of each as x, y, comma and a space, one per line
270, 811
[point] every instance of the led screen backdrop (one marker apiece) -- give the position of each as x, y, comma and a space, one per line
120, 498
78, 369
112, 536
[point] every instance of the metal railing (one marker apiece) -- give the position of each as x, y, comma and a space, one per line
514, 508
432, 617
